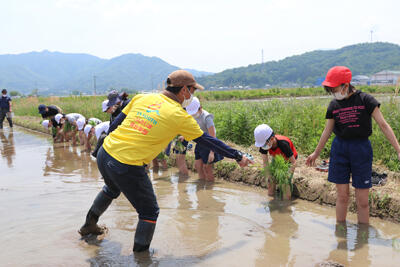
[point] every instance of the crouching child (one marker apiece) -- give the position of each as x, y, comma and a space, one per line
274, 145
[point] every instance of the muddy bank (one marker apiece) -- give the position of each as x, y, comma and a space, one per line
309, 184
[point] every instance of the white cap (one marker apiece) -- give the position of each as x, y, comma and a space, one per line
58, 117
193, 107
104, 105
45, 124
262, 133
80, 123
87, 129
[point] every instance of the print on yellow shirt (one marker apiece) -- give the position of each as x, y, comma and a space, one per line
151, 122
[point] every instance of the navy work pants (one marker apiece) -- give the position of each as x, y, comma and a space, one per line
132, 181
3, 114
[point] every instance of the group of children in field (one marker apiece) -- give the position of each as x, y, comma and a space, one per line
348, 116
65, 127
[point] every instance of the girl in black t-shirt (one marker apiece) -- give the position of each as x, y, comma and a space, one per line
349, 117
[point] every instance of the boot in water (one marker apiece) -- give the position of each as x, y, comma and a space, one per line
144, 235
100, 204
90, 226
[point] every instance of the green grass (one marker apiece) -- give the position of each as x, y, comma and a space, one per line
89, 106
301, 120
281, 92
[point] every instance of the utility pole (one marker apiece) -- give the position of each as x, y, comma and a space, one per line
94, 84
371, 35
262, 56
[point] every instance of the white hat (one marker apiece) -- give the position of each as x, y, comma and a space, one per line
80, 123
193, 106
45, 124
104, 105
262, 133
58, 117
87, 129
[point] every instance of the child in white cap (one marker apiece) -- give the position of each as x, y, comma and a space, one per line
72, 122
272, 144
55, 129
91, 123
204, 157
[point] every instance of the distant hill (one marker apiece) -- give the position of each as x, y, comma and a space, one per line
63, 73
307, 68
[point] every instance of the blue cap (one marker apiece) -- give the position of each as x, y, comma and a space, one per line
42, 109
113, 98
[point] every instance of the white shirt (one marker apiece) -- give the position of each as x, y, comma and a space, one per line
101, 128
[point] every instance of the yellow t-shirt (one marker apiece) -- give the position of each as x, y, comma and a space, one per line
152, 121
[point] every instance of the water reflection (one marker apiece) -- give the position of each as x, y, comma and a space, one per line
351, 245
196, 212
7, 148
283, 229
66, 160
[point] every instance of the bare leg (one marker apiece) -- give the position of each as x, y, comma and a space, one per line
155, 163
181, 164
362, 205
208, 171
82, 138
271, 188
164, 164
342, 201
73, 138
199, 168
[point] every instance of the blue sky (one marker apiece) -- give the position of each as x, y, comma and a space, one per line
205, 35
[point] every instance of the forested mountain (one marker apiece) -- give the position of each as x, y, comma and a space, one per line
63, 73
308, 68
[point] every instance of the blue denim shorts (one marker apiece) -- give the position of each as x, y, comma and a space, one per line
353, 157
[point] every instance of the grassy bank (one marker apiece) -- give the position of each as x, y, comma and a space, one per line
301, 120
89, 106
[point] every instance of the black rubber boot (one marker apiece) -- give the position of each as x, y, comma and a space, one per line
100, 204
144, 235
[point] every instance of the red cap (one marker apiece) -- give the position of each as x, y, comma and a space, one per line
337, 76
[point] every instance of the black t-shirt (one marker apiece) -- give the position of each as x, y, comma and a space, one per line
55, 124
353, 115
52, 111
283, 145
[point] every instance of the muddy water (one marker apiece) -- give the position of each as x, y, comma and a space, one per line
46, 190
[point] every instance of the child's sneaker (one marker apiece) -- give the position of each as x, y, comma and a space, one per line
323, 167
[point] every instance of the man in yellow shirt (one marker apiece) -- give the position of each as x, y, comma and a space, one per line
143, 129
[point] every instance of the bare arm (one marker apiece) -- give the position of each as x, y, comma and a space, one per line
330, 123
386, 129
211, 131
293, 164
265, 159
10, 106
